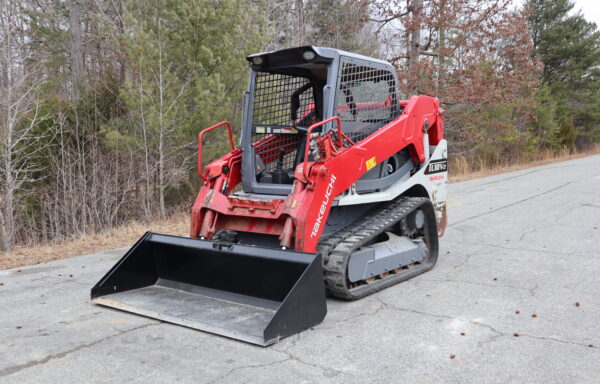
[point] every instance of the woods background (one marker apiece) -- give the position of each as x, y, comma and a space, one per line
101, 101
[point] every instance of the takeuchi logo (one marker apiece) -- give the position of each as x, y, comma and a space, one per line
323, 208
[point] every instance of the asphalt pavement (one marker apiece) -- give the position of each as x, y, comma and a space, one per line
515, 297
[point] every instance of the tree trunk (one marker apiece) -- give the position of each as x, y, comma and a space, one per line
76, 46
122, 53
413, 48
161, 136
7, 131
300, 25
441, 45
7, 219
4, 241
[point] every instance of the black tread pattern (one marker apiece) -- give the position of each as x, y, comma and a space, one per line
337, 249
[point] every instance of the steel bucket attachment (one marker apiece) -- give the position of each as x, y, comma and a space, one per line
254, 294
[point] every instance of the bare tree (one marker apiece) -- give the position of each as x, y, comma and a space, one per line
19, 116
155, 92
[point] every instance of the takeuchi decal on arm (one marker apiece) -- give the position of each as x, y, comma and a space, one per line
323, 208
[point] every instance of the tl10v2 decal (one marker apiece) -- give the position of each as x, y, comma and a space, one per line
437, 166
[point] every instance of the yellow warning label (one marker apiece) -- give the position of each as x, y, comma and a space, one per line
371, 163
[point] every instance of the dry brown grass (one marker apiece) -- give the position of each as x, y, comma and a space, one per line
461, 170
122, 236
126, 235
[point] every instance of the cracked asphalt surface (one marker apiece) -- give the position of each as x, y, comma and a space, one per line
517, 245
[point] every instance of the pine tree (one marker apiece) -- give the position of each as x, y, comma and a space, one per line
187, 61
569, 48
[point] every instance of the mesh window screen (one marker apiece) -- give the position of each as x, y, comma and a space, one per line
272, 125
273, 100
365, 99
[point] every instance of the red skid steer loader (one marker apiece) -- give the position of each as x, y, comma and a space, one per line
338, 186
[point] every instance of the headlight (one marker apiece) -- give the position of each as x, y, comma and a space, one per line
308, 55
258, 60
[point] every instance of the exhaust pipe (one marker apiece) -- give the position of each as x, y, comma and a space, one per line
258, 295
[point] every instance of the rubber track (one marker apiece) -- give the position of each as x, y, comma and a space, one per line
336, 250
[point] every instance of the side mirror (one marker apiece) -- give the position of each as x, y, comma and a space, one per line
295, 101
295, 106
